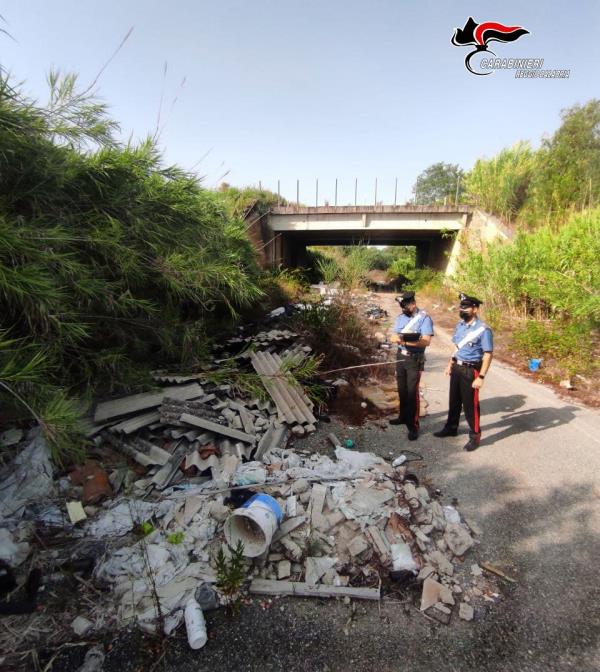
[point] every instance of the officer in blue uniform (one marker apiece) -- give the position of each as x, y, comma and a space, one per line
413, 331
467, 368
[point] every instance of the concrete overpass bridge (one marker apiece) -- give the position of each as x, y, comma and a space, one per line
437, 232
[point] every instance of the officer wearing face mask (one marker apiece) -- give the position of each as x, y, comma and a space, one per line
474, 344
413, 331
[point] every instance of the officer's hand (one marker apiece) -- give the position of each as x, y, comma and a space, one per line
448, 370
477, 383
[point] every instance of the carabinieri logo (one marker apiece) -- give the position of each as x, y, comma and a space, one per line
480, 35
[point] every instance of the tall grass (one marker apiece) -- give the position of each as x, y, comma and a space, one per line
549, 276
110, 261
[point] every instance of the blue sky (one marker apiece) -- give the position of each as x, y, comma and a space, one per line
305, 89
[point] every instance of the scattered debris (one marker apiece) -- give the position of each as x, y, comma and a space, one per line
299, 589
195, 467
465, 611
76, 512
498, 572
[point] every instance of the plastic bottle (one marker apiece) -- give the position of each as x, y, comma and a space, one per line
195, 624
399, 461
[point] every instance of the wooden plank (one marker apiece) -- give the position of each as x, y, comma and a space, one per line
301, 589
216, 428
146, 400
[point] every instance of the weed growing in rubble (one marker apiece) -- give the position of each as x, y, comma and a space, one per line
337, 330
230, 576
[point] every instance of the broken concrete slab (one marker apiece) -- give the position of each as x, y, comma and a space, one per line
431, 593
465, 611
284, 569
365, 500
446, 595
139, 402
299, 589
427, 571
133, 424
380, 544
441, 563
317, 499
288, 526
458, 538
217, 429
357, 545
316, 567
292, 550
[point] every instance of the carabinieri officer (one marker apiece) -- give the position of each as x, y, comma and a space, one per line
467, 368
414, 329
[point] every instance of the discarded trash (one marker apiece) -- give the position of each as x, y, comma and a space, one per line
498, 572
349, 443
93, 661
11, 437
567, 384
11, 552
534, 364
195, 624
206, 597
465, 611
76, 512
254, 525
81, 625
30, 478
95, 482
451, 514
402, 558
399, 461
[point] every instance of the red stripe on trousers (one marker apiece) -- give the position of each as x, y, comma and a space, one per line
476, 404
418, 404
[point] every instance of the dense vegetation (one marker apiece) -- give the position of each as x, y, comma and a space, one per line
110, 262
527, 186
543, 286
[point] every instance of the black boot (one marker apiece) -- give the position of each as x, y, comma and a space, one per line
472, 444
445, 432
396, 421
413, 434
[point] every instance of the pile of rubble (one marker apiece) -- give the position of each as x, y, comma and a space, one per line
350, 526
192, 426
190, 454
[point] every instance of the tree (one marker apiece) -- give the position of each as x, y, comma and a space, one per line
568, 172
438, 184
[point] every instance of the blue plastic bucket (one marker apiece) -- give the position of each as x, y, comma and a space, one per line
254, 524
268, 501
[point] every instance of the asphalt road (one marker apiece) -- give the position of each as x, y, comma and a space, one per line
534, 489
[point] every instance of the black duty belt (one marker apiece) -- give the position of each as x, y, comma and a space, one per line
470, 365
405, 351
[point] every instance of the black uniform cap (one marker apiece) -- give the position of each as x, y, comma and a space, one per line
405, 298
468, 301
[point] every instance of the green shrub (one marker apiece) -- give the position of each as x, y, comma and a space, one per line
110, 262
